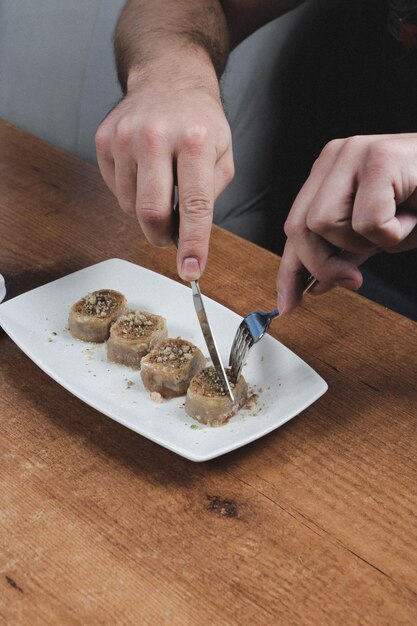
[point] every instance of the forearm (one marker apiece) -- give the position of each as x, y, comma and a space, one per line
168, 34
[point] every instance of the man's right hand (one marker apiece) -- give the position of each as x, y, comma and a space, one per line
167, 131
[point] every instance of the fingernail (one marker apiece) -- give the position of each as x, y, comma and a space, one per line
349, 283
190, 269
281, 304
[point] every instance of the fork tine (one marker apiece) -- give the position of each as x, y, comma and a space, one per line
241, 342
237, 341
250, 331
241, 354
234, 361
242, 359
235, 348
234, 356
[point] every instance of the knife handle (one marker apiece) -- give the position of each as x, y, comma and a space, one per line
176, 224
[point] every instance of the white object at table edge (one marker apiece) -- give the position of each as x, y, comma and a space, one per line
2, 288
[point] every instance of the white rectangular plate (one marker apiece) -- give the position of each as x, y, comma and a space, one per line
37, 322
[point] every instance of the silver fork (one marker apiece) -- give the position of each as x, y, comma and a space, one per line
251, 330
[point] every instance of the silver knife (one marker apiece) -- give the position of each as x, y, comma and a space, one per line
204, 323
209, 338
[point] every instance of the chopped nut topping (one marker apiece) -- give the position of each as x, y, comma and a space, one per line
209, 383
136, 324
98, 303
172, 352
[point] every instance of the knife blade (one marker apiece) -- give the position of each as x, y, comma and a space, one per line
203, 320
209, 339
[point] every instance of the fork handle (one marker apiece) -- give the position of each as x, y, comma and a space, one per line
311, 281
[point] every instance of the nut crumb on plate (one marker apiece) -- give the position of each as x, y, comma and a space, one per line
155, 397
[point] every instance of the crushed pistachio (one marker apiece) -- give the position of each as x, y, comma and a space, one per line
99, 303
172, 352
136, 324
209, 383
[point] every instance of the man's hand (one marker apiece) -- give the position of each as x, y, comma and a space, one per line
166, 131
170, 127
360, 198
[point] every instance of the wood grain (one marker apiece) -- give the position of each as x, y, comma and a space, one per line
101, 526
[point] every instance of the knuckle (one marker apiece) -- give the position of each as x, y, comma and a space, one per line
328, 153
224, 141
195, 138
153, 133
229, 171
151, 214
197, 205
317, 223
317, 162
332, 147
379, 158
292, 228
123, 133
355, 143
366, 226
374, 231
102, 138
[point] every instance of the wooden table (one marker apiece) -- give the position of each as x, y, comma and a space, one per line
101, 526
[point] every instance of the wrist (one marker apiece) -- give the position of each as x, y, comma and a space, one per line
177, 66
